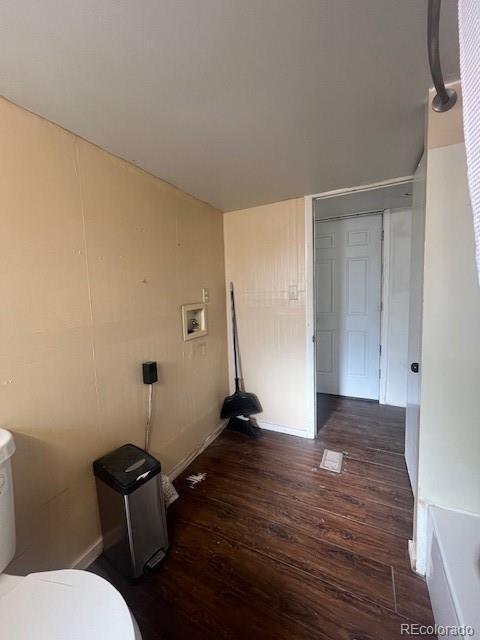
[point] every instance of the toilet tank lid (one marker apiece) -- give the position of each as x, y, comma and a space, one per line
7, 445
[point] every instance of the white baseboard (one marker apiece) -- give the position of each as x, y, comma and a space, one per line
280, 428
412, 554
422, 536
91, 554
183, 464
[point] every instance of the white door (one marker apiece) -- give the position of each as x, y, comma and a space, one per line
348, 267
412, 421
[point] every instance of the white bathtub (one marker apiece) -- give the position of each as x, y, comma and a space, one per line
453, 570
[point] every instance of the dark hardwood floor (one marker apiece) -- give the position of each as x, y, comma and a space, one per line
270, 546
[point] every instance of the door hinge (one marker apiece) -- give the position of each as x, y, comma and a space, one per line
379, 373
380, 349
313, 339
383, 234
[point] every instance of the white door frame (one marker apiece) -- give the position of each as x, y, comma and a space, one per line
310, 373
384, 309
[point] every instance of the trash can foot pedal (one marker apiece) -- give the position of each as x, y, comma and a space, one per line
154, 560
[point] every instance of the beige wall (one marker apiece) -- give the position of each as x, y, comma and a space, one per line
449, 446
96, 259
265, 255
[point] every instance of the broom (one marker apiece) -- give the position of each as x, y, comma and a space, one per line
241, 404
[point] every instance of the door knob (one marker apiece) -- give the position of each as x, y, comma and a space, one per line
414, 367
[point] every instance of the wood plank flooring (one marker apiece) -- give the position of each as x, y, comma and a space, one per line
271, 546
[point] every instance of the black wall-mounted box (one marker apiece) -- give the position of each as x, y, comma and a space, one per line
150, 374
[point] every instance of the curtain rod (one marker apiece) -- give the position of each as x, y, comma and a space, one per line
445, 98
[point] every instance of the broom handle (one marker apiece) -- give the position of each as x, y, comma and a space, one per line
235, 342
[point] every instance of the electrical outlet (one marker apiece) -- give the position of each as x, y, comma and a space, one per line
205, 295
293, 292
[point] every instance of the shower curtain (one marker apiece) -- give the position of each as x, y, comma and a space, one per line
469, 36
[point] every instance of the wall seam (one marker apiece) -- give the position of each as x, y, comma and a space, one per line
87, 265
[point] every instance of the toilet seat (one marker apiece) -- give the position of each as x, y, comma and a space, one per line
65, 605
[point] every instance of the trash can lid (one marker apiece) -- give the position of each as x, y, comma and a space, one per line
126, 468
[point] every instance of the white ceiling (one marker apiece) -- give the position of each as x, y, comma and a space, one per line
239, 102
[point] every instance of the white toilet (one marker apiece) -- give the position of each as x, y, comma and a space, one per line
53, 605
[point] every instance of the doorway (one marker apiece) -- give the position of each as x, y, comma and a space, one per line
348, 268
357, 295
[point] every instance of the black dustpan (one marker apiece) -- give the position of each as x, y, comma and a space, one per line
240, 403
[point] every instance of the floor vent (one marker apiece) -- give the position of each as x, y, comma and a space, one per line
332, 461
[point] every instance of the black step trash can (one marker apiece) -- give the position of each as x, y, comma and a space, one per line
132, 510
